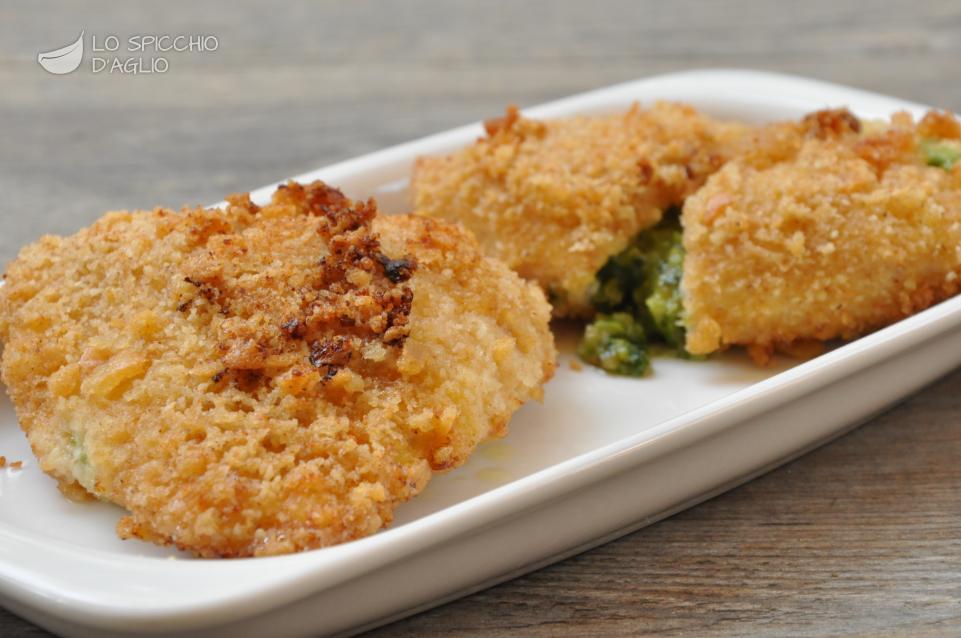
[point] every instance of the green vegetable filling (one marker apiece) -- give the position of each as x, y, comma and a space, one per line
940, 153
638, 293
616, 343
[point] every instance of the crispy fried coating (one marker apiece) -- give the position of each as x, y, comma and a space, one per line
825, 228
255, 381
555, 199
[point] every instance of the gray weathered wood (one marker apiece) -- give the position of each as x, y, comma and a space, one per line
862, 537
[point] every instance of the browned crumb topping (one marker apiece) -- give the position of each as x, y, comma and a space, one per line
821, 229
495, 125
261, 380
555, 199
831, 123
275, 316
940, 124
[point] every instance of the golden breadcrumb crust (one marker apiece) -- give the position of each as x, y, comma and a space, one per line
254, 381
555, 199
821, 229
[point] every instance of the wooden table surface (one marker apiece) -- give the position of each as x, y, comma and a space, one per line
862, 537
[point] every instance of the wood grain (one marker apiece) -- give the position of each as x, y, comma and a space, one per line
861, 538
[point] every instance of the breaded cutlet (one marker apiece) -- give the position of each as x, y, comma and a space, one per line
262, 380
825, 228
555, 199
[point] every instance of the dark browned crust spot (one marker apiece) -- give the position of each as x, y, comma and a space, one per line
831, 123
397, 270
331, 354
645, 170
294, 328
353, 295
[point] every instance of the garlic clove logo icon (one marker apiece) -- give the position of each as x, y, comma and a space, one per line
63, 60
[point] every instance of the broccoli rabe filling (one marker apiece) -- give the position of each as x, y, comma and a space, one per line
616, 343
940, 153
638, 296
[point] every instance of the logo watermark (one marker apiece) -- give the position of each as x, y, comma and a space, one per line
134, 55
64, 60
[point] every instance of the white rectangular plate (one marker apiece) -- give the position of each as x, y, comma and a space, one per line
600, 457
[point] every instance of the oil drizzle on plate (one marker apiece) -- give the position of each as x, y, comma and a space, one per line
496, 451
493, 476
